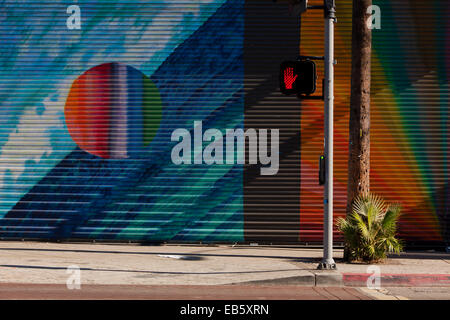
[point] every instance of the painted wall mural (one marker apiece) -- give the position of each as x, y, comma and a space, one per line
87, 117
409, 115
91, 93
113, 111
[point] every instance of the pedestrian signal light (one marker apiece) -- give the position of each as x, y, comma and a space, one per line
322, 170
298, 77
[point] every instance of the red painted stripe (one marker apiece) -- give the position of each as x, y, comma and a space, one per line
398, 279
99, 106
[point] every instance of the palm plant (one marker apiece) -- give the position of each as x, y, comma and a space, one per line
370, 230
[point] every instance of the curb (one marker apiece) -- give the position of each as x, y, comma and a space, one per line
310, 279
398, 280
337, 279
328, 279
306, 280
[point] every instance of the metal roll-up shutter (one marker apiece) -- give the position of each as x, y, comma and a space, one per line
409, 117
91, 93
271, 202
95, 96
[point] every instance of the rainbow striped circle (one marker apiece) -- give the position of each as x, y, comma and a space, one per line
113, 111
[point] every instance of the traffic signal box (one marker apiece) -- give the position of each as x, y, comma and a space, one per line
298, 77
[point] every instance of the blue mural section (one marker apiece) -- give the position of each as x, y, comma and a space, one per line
40, 58
198, 71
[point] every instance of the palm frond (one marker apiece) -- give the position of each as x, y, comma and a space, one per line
359, 206
369, 231
390, 219
361, 226
379, 204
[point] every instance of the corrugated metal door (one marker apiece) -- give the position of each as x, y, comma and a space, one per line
409, 117
95, 96
91, 94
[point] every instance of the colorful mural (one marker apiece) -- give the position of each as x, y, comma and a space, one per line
175, 63
113, 111
88, 108
409, 116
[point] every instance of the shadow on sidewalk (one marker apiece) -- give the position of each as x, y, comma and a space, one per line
148, 271
190, 256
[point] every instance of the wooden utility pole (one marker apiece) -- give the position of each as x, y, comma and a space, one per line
358, 181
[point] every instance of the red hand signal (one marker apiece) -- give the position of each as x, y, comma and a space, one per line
289, 77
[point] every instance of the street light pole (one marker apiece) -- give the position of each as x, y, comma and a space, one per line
330, 18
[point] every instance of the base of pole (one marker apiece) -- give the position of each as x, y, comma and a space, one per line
327, 265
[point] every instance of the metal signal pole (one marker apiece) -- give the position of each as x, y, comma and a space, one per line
326, 175
330, 18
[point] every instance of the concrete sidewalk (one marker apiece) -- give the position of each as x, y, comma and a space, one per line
128, 264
